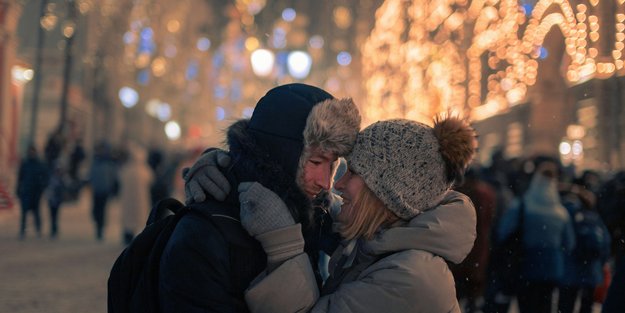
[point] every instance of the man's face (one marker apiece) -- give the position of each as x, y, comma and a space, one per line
317, 172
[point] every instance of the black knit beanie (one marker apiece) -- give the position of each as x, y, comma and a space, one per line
279, 119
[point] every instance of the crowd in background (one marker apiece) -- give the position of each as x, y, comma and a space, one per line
572, 236
574, 223
139, 176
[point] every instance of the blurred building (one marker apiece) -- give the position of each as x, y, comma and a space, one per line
13, 76
534, 76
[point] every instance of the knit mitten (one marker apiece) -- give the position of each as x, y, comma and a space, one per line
265, 216
262, 210
205, 177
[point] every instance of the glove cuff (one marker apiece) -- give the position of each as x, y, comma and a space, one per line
282, 244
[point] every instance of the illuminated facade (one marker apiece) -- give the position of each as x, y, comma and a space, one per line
483, 58
525, 71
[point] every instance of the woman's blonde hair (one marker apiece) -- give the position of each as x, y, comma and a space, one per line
368, 214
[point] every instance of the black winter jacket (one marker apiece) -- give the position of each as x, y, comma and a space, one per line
203, 270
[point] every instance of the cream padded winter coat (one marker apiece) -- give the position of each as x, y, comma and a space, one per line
414, 278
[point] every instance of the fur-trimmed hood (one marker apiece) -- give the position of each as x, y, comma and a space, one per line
331, 126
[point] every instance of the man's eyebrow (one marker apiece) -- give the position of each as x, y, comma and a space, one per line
328, 157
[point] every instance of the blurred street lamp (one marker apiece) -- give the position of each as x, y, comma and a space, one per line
163, 112
299, 63
128, 96
262, 62
21, 75
571, 151
172, 130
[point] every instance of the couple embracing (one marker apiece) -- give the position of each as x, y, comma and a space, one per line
398, 219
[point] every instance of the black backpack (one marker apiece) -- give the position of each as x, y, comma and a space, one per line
134, 276
133, 281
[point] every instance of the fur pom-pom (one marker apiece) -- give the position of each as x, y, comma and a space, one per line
458, 144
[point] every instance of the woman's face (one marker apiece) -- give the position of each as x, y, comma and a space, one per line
350, 185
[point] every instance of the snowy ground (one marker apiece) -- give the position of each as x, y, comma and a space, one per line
68, 274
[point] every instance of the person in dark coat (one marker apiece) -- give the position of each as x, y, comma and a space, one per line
76, 158
470, 275
290, 145
547, 233
32, 179
54, 148
611, 207
56, 195
103, 180
583, 266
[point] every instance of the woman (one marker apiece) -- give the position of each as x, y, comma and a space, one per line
547, 235
399, 219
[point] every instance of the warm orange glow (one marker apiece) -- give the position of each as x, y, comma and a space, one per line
421, 62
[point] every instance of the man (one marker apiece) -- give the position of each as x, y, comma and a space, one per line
290, 145
32, 179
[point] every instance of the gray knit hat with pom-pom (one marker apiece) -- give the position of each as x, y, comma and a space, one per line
409, 165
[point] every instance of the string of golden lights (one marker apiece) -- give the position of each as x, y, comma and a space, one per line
417, 60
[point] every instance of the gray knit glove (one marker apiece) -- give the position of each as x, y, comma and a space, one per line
265, 216
261, 209
205, 177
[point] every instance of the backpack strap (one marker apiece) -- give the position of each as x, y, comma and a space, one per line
226, 219
164, 208
153, 265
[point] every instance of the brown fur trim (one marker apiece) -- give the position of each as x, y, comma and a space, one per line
332, 126
458, 144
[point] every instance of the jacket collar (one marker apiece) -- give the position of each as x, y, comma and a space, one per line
447, 230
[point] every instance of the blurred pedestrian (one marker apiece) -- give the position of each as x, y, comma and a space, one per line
76, 158
32, 179
103, 178
590, 180
75, 182
547, 233
583, 266
611, 206
164, 169
53, 148
135, 179
470, 275
504, 177
56, 196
